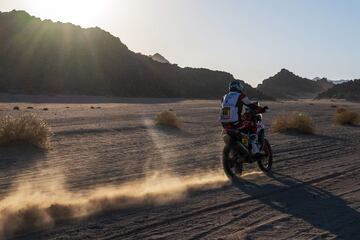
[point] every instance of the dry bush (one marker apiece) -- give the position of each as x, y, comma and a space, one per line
293, 122
30, 108
16, 108
340, 110
45, 109
168, 118
24, 129
346, 117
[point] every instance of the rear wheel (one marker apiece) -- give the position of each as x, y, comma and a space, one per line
232, 165
265, 163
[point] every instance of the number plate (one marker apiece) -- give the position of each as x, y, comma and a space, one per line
226, 113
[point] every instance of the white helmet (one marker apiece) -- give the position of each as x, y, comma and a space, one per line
236, 86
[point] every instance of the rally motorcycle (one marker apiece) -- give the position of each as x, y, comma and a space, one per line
237, 149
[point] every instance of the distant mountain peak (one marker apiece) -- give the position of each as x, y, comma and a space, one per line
287, 85
159, 58
285, 72
323, 79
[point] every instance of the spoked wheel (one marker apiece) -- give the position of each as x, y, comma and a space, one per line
265, 163
232, 165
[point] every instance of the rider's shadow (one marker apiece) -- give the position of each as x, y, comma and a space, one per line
319, 208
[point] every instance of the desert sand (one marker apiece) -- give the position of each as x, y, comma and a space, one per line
110, 173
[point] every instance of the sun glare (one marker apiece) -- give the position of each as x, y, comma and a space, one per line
81, 12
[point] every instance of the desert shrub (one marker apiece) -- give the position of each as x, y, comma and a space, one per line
340, 110
92, 107
346, 117
16, 108
24, 129
293, 122
168, 118
29, 108
45, 109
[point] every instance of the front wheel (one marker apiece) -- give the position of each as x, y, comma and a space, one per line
232, 165
265, 163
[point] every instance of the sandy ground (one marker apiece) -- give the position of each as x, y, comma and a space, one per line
117, 176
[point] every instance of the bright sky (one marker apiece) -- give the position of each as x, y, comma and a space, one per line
251, 39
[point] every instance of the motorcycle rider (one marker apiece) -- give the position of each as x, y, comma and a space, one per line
231, 112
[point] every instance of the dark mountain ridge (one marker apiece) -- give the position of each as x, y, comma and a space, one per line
287, 85
46, 57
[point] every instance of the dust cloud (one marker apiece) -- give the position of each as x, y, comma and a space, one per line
42, 203
34, 206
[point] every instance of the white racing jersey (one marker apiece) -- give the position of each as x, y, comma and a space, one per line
229, 109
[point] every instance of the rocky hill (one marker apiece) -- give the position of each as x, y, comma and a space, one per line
56, 58
159, 58
348, 90
287, 85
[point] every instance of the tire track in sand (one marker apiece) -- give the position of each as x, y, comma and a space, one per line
224, 207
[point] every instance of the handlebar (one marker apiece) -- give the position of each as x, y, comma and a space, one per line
255, 109
263, 109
